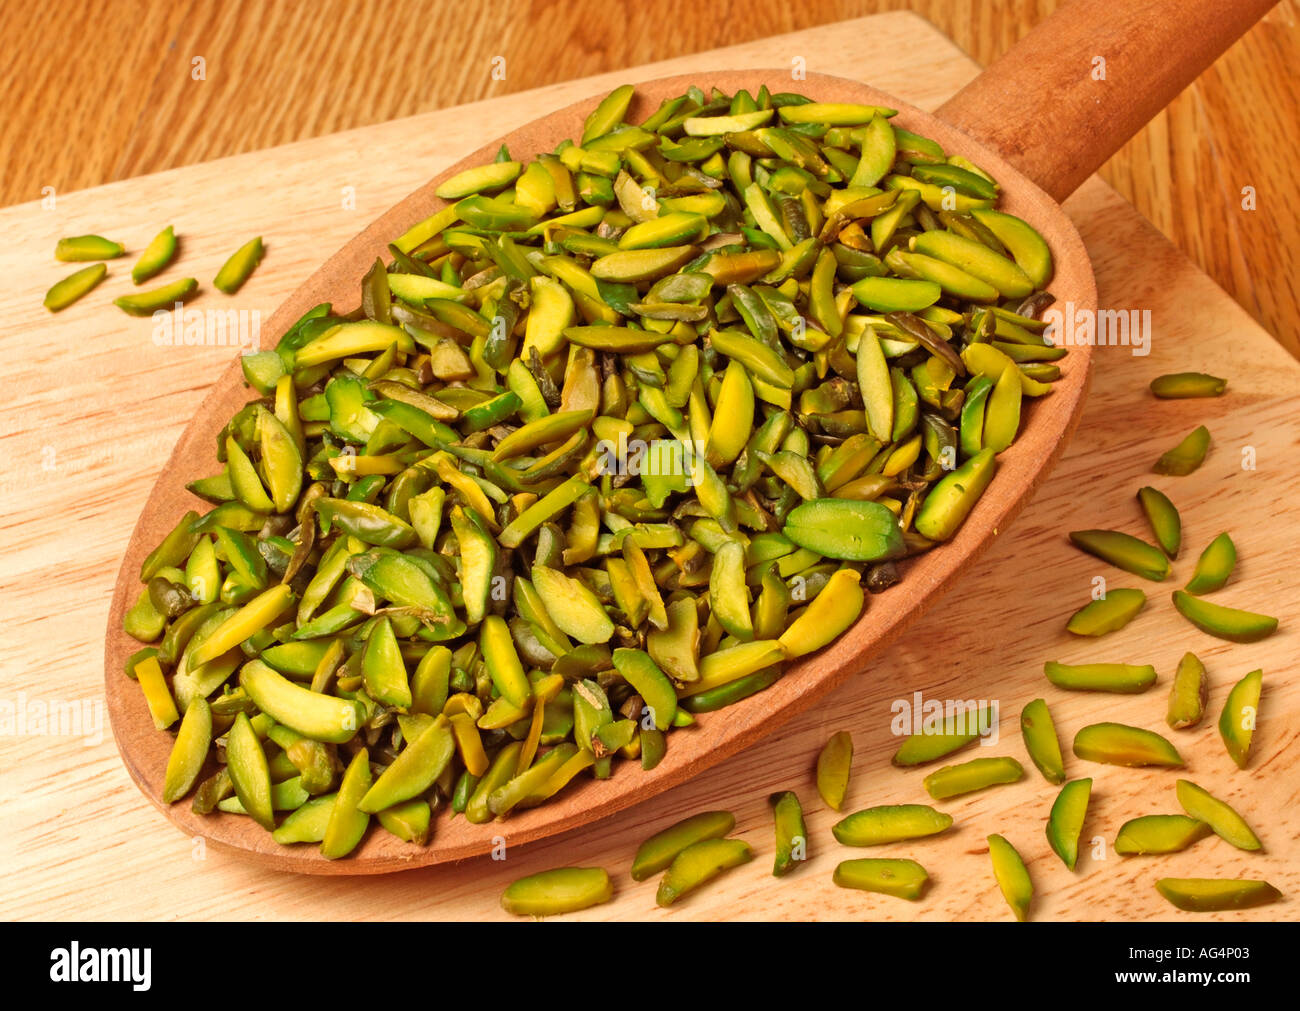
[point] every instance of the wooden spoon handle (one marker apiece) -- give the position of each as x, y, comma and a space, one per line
1066, 96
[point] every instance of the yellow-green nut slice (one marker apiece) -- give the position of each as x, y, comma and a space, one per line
791, 833
1159, 833
156, 256
608, 114
408, 821
1120, 744
1224, 622
347, 822
834, 764
1208, 895
63, 293
1188, 694
1214, 566
876, 826
1022, 240
955, 732
249, 773
414, 770
1239, 716
1187, 456
830, 614
1226, 823
1165, 522
651, 683
1012, 876
146, 303
1107, 614
575, 608
951, 500
698, 864
1039, 733
875, 385
562, 890
657, 852
1123, 551
250, 619
903, 879
976, 259
479, 179
189, 751
236, 270
1124, 678
313, 714
893, 294
306, 824
977, 774
1182, 385
846, 529
79, 248
1065, 823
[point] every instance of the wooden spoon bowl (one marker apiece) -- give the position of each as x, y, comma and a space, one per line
1059, 155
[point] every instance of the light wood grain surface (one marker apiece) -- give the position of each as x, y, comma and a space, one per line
100, 90
95, 406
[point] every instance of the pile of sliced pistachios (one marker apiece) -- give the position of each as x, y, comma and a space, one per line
611, 438
694, 853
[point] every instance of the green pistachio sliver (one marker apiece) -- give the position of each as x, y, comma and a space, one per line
1188, 693
1039, 733
156, 256
1159, 833
878, 826
977, 774
845, 529
1012, 876
87, 247
1163, 518
559, 891
608, 114
1108, 613
1240, 713
236, 270
1187, 456
951, 500
1182, 385
903, 879
1123, 551
1127, 679
146, 303
956, 731
834, 763
189, 752
1224, 622
1226, 823
1208, 895
700, 863
1214, 566
63, 293
791, 834
1119, 744
1065, 823
657, 852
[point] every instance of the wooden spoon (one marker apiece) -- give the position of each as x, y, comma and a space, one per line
1037, 120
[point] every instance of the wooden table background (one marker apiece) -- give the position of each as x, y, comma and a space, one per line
99, 90
94, 406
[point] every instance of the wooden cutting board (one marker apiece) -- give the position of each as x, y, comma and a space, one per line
95, 404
